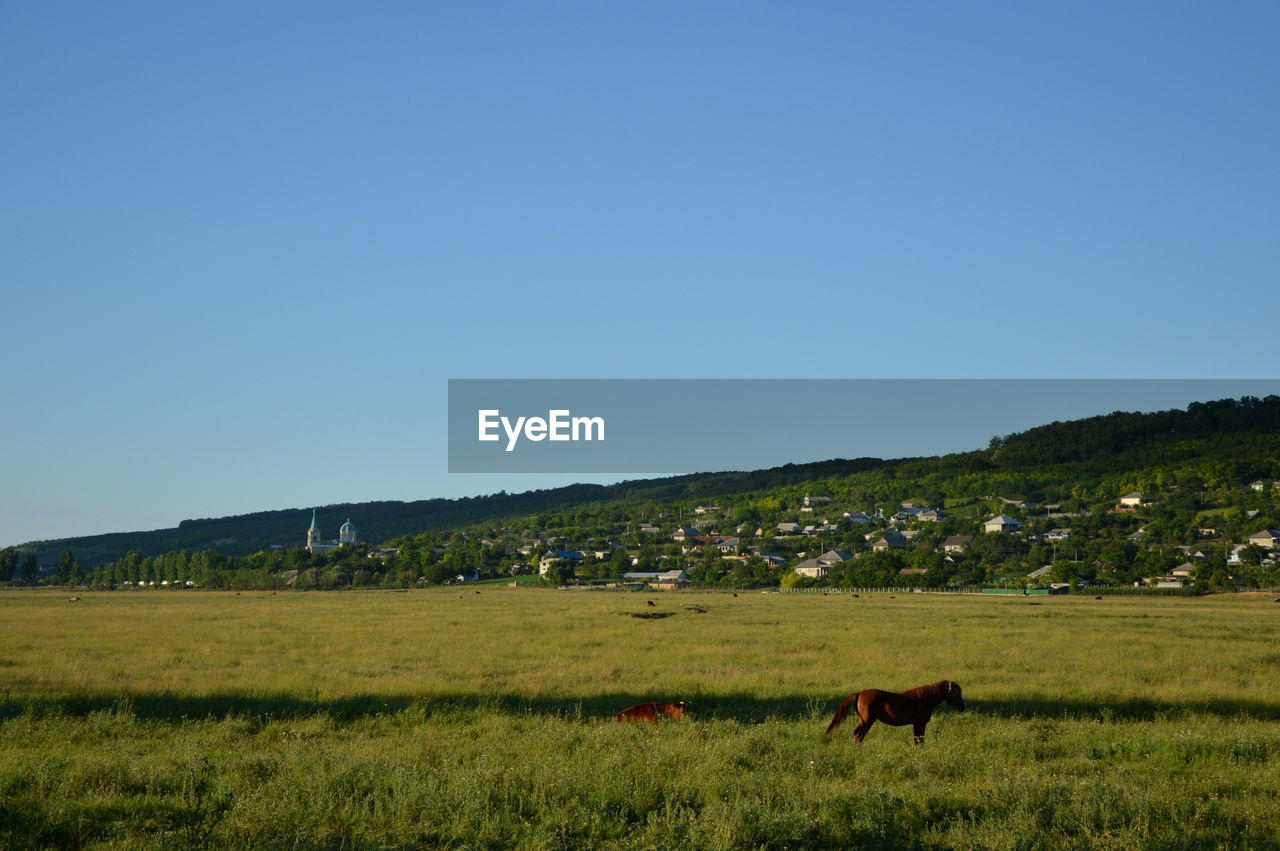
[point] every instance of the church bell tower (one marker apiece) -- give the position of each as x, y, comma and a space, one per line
313, 534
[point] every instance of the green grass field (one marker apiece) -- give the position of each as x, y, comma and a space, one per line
447, 718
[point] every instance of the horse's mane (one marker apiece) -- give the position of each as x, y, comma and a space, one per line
938, 690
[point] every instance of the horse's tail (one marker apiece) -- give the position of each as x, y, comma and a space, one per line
845, 705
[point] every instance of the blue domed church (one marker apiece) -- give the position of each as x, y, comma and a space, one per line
346, 535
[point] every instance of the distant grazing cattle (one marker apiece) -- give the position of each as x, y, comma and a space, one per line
74, 600
651, 712
651, 603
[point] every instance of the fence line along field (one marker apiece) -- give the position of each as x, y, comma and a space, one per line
457, 718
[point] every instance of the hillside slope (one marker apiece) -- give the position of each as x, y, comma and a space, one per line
1226, 438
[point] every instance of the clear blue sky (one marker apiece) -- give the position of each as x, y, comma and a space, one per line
243, 245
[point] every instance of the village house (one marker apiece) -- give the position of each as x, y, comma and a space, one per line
1163, 582
890, 540
724, 544
729, 545
670, 580
554, 556
811, 569
1268, 539
956, 543
816, 568
1001, 523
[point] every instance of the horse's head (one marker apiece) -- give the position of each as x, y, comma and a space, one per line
676, 710
951, 690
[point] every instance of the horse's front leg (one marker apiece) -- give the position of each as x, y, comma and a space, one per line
919, 730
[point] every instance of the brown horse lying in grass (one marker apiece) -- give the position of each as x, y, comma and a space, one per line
914, 707
650, 712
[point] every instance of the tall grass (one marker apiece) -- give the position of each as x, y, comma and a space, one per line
446, 719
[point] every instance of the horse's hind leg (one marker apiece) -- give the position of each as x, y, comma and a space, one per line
861, 733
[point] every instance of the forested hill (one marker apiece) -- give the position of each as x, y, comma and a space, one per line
1150, 436
1241, 434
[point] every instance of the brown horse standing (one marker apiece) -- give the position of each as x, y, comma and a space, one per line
650, 712
914, 707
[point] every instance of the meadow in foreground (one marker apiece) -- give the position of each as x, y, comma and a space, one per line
455, 719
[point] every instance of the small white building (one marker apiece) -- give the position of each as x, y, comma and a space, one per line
667, 579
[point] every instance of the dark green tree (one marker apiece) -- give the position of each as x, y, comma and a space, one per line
1252, 555
30, 567
67, 569
559, 572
